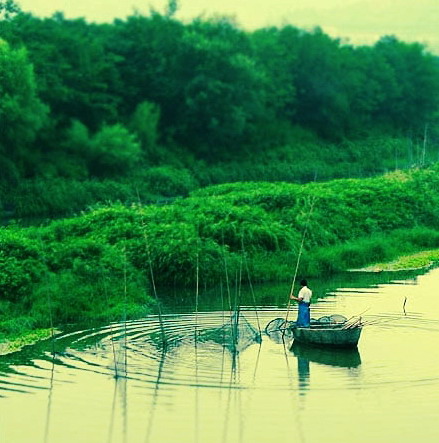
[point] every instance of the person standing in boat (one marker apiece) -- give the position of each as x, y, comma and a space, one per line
304, 300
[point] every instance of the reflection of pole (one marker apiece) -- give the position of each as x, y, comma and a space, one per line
294, 407
196, 344
125, 409
113, 409
155, 397
196, 392
249, 395
229, 396
49, 401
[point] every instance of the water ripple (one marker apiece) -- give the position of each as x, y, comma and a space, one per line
135, 350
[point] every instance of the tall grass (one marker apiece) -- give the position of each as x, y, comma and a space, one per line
353, 223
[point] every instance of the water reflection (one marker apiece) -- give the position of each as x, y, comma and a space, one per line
49, 401
276, 294
122, 385
342, 358
155, 397
304, 374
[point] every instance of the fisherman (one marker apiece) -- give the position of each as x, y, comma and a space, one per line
304, 299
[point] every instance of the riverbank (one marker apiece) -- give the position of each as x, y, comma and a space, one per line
420, 260
16, 343
98, 266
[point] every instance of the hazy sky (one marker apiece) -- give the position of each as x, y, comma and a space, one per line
360, 21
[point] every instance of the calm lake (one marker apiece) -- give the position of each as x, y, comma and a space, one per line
118, 384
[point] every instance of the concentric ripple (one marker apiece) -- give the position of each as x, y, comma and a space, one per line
176, 353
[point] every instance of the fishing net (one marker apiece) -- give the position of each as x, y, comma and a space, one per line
235, 335
329, 320
278, 324
337, 318
279, 330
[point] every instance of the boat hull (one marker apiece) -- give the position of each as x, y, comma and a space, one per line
328, 337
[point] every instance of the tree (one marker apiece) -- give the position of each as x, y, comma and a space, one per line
144, 123
113, 151
8, 8
415, 97
225, 90
75, 72
323, 103
276, 51
22, 113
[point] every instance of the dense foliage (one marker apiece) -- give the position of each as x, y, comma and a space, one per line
158, 105
99, 264
103, 117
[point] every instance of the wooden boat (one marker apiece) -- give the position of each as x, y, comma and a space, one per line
328, 335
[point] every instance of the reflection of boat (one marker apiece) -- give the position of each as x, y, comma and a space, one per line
346, 358
330, 335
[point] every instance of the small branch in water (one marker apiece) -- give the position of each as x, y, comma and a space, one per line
403, 306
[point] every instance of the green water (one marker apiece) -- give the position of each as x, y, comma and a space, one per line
118, 383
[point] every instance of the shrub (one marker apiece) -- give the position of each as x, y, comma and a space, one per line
169, 181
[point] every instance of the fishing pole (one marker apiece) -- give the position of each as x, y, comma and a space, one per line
299, 257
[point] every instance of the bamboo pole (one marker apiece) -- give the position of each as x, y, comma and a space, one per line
151, 272
299, 257
250, 283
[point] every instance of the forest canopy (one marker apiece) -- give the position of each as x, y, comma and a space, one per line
94, 102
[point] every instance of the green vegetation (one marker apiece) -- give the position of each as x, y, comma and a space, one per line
97, 266
218, 132
92, 113
419, 260
15, 343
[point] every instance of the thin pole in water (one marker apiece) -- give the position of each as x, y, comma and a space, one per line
148, 251
116, 374
197, 281
229, 296
125, 294
250, 282
197, 285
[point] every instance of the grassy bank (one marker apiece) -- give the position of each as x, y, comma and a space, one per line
15, 342
97, 266
419, 260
